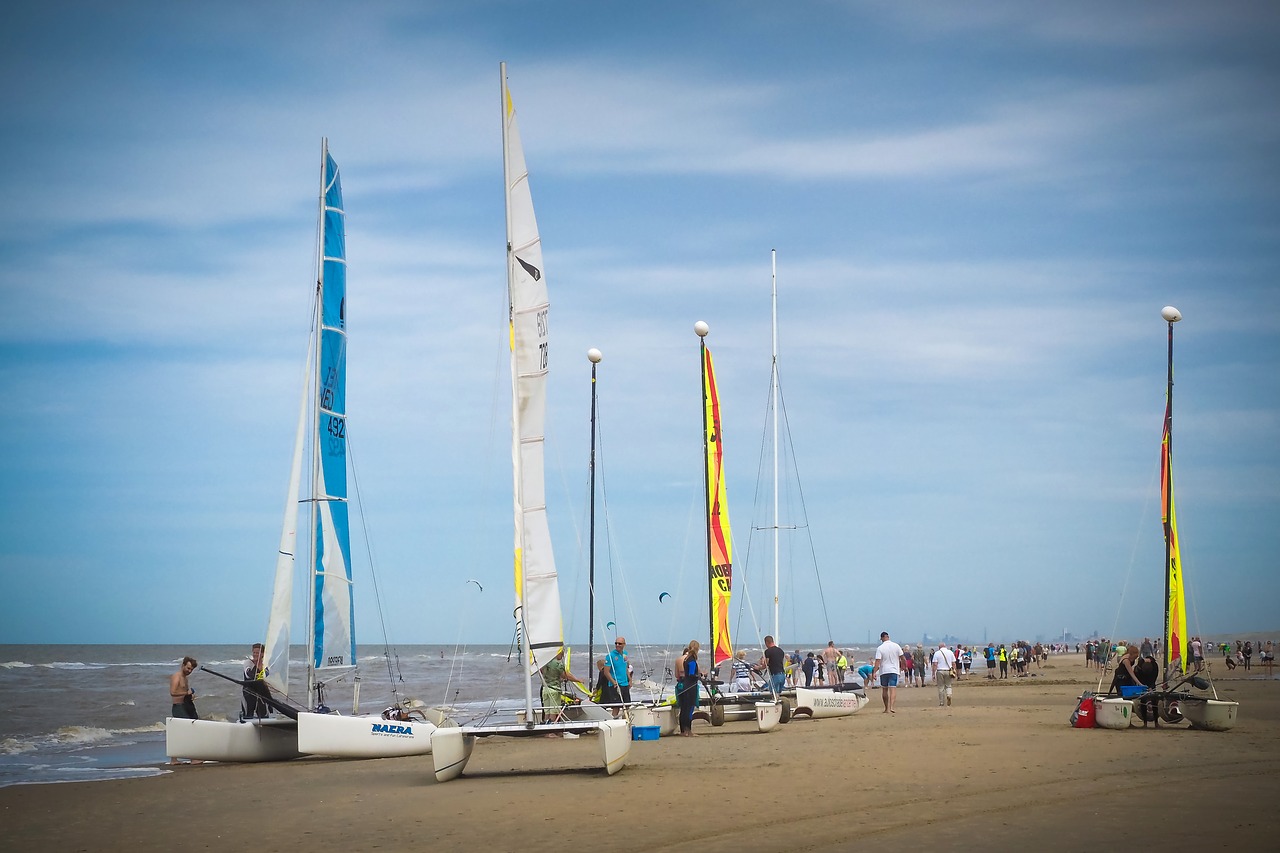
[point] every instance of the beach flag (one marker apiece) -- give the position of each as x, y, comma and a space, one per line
1175, 629
721, 568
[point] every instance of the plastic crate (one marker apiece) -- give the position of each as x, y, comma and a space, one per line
645, 732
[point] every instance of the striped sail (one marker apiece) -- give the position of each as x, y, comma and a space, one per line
333, 634
1175, 629
536, 584
720, 570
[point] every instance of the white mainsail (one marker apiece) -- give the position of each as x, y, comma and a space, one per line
537, 588
276, 652
536, 584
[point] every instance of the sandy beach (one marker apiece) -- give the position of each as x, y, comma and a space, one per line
999, 770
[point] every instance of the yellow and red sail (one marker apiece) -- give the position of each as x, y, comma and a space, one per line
721, 543
1175, 629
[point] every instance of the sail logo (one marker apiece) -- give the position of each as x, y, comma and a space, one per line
388, 729
533, 271
722, 576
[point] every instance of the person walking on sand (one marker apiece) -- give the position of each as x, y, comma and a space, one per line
921, 670
888, 665
944, 669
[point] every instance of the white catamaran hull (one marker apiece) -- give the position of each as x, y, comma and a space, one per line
272, 739
451, 747
1215, 715
768, 715
362, 736
821, 704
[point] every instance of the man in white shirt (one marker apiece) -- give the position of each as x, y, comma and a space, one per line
888, 665
944, 668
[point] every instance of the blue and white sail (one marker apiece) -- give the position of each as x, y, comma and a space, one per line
333, 642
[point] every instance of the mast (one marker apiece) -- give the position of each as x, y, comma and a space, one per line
317, 331
773, 390
594, 356
1171, 315
701, 329
525, 652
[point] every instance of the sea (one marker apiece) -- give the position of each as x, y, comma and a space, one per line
86, 713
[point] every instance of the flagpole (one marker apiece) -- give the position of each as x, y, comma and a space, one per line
1171, 315
594, 356
773, 390
702, 329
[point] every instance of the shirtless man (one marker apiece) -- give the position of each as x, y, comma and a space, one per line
180, 692
182, 696
829, 657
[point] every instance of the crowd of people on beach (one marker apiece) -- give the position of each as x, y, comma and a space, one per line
891, 666
1101, 652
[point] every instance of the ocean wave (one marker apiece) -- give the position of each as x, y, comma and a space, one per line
80, 735
65, 664
91, 775
16, 664
76, 737
16, 746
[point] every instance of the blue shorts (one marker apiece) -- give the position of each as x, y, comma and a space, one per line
888, 679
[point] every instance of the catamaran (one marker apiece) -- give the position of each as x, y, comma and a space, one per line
537, 590
836, 700
1171, 703
331, 645
767, 710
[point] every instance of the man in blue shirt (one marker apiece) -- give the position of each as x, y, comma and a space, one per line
621, 668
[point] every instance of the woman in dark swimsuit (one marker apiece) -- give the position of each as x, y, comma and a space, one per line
687, 686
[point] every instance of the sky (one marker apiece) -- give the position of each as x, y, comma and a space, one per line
978, 209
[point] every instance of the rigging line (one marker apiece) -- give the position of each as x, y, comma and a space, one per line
613, 552
696, 512
1133, 552
804, 509
566, 625
393, 672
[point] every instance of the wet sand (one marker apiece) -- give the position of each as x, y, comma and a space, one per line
999, 770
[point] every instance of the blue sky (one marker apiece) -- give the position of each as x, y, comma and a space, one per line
979, 210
